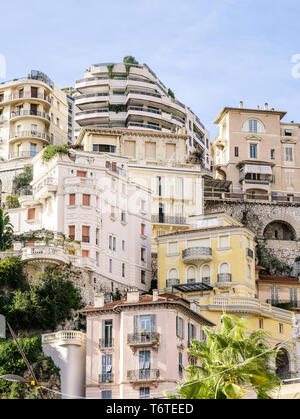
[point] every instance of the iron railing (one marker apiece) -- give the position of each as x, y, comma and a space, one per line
143, 375
224, 278
143, 338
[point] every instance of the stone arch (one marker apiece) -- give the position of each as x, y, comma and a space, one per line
283, 363
220, 174
280, 230
279, 215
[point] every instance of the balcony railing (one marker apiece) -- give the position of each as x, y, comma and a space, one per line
196, 253
238, 196
22, 154
106, 343
285, 304
166, 219
172, 282
224, 278
29, 113
150, 338
106, 378
140, 125
30, 134
143, 375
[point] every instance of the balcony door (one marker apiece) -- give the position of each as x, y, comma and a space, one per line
106, 368
161, 213
107, 329
144, 364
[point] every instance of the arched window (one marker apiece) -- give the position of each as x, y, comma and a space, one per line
191, 275
224, 272
173, 277
205, 274
254, 125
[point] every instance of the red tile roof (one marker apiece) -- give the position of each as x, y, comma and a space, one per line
277, 278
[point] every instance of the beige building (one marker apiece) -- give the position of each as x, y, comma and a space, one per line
258, 153
33, 114
159, 162
120, 96
137, 348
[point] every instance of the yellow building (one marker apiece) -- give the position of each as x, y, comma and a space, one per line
213, 264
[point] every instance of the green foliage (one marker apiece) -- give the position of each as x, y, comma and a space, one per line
11, 273
272, 265
52, 150
170, 93
231, 364
6, 231
23, 180
44, 305
129, 59
12, 201
11, 362
110, 68
117, 108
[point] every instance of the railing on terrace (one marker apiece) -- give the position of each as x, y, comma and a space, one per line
172, 282
167, 219
136, 124
106, 343
224, 278
284, 303
22, 154
29, 113
196, 252
247, 197
30, 134
140, 108
88, 95
137, 92
92, 79
64, 336
143, 375
106, 378
92, 111
26, 95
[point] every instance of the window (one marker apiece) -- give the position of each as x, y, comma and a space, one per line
236, 152
150, 150
289, 154
81, 173
72, 232
106, 394
205, 274
171, 152
274, 295
31, 214
191, 333
32, 150
85, 253
86, 200
159, 186
107, 333
145, 393
224, 242
261, 323
272, 153
130, 149
72, 199
143, 228
97, 259
288, 132
143, 254
293, 296
143, 277
253, 125
123, 245
180, 366
173, 248
107, 368
123, 270
280, 328
180, 326
253, 151
97, 237
143, 205
191, 275
123, 217
144, 364
112, 243
113, 211
85, 234
110, 266
289, 179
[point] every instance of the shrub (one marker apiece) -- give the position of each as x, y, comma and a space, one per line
52, 150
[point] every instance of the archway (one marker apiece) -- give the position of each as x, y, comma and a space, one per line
282, 364
279, 230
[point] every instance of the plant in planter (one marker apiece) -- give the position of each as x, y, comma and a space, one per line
110, 68
52, 150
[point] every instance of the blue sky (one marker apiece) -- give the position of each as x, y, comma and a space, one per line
211, 54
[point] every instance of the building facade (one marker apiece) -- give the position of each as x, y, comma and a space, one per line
137, 348
114, 95
159, 162
99, 219
214, 265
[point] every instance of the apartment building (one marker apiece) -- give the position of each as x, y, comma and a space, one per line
213, 263
159, 162
72, 110
120, 96
258, 153
137, 348
99, 219
33, 114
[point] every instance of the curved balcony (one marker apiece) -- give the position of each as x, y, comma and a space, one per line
197, 254
52, 254
90, 98
224, 280
92, 114
26, 96
64, 338
29, 114
143, 339
22, 155
23, 135
45, 188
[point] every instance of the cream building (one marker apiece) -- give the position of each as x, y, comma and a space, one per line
33, 114
137, 348
118, 96
100, 219
258, 153
159, 162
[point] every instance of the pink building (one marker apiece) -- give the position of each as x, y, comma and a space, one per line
137, 348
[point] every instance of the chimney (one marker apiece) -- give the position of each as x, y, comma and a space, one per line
266, 107
241, 104
133, 296
99, 300
155, 295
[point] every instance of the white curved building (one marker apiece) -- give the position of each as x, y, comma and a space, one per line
118, 96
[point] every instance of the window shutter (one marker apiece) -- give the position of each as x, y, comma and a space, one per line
183, 329
177, 326
153, 323
135, 324
103, 330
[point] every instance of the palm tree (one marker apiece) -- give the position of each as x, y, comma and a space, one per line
232, 364
6, 231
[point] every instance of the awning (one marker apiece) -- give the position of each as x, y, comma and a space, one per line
198, 286
254, 168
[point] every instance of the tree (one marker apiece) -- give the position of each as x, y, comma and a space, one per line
6, 231
232, 364
23, 180
11, 273
129, 59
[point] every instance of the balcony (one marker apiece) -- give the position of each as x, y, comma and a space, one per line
106, 344
224, 280
22, 155
196, 254
52, 254
106, 378
30, 113
30, 134
45, 188
172, 282
143, 375
284, 304
143, 126
143, 339
92, 114
165, 219
65, 338
24, 96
